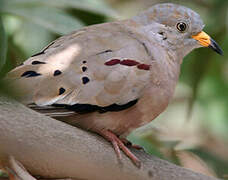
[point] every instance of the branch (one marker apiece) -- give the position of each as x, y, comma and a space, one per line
53, 149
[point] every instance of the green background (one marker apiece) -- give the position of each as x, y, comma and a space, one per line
193, 131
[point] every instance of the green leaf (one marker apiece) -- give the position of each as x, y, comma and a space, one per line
53, 19
219, 164
34, 37
3, 44
95, 6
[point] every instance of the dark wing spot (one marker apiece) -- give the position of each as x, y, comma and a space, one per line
85, 80
106, 51
84, 68
30, 74
57, 72
37, 62
109, 50
61, 91
116, 107
88, 108
82, 108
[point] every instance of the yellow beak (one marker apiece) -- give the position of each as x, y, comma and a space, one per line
205, 40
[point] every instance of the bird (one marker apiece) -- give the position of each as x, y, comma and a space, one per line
114, 77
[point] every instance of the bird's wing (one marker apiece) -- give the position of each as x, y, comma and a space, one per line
98, 68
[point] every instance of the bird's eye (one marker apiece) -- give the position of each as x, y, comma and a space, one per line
181, 27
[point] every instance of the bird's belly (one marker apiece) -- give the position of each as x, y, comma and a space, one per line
123, 122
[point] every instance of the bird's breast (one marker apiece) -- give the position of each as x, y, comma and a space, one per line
156, 97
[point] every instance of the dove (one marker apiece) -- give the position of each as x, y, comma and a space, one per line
114, 77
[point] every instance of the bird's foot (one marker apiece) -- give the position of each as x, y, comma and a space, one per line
129, 144
118, 144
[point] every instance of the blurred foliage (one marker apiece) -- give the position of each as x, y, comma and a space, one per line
26, 26
3, 174
3, 45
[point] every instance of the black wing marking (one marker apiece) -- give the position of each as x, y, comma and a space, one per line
88, 108
58, 110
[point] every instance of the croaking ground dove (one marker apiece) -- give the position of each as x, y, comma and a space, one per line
114, 77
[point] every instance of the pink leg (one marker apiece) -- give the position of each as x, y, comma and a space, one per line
118, 144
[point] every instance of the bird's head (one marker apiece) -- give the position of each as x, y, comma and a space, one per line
177, 28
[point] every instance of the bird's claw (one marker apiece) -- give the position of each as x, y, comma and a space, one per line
118, 144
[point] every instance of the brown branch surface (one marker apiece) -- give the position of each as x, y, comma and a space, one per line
53, 149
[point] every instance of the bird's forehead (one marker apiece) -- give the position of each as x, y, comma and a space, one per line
169, 14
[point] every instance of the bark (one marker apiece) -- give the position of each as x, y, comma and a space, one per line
53, 149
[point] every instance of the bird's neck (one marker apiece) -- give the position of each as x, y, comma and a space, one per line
165, 57
151, 28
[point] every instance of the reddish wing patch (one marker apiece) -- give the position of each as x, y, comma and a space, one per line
129, 62
144, 67
112, 62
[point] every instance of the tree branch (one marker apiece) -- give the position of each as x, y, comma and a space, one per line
53, 149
